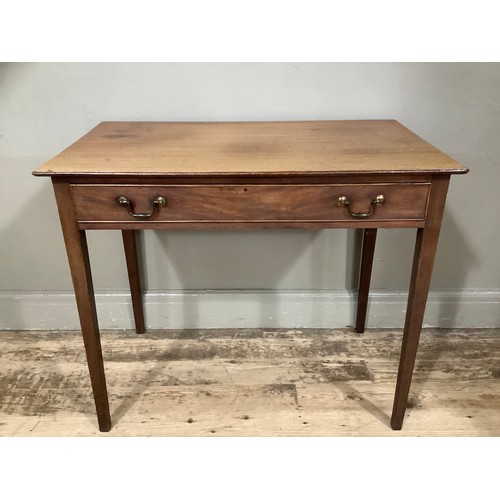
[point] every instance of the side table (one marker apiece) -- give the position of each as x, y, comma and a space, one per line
366, 174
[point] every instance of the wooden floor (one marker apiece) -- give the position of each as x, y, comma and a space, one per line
251, 383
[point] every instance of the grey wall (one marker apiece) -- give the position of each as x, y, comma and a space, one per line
45, 107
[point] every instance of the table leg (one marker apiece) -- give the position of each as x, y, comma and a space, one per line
423, 261
369, 238
130, 246
77, 250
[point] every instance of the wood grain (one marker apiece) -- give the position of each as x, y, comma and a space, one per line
365, 275
79, 263
239, 148
248, 202
423, 263
251, 383
134, 278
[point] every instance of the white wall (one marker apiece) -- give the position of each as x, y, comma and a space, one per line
45, 107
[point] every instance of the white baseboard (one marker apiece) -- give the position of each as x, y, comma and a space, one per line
249, 309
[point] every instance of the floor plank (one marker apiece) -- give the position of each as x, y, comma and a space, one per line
251, 383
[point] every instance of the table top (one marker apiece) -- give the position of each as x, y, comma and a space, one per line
248, 148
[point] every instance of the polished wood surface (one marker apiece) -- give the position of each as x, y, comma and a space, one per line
304, 147
228, 203
132, 260
365, 274
423, 262
249, 175
79, 263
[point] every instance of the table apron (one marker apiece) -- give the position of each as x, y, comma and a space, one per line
157, 206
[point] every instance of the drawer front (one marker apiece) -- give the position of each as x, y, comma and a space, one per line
250, 202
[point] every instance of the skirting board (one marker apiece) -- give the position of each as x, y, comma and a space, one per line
249, 309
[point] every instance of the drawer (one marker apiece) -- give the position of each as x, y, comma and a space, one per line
250, 202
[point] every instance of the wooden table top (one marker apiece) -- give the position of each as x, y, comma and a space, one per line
246, 148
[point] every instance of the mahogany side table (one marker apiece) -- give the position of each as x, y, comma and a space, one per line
366, 174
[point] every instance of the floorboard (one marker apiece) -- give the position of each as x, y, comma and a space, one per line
251, 383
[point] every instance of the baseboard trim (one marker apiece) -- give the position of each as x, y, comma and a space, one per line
249, 309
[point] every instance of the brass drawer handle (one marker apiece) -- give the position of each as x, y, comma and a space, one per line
344, 202
123, 201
